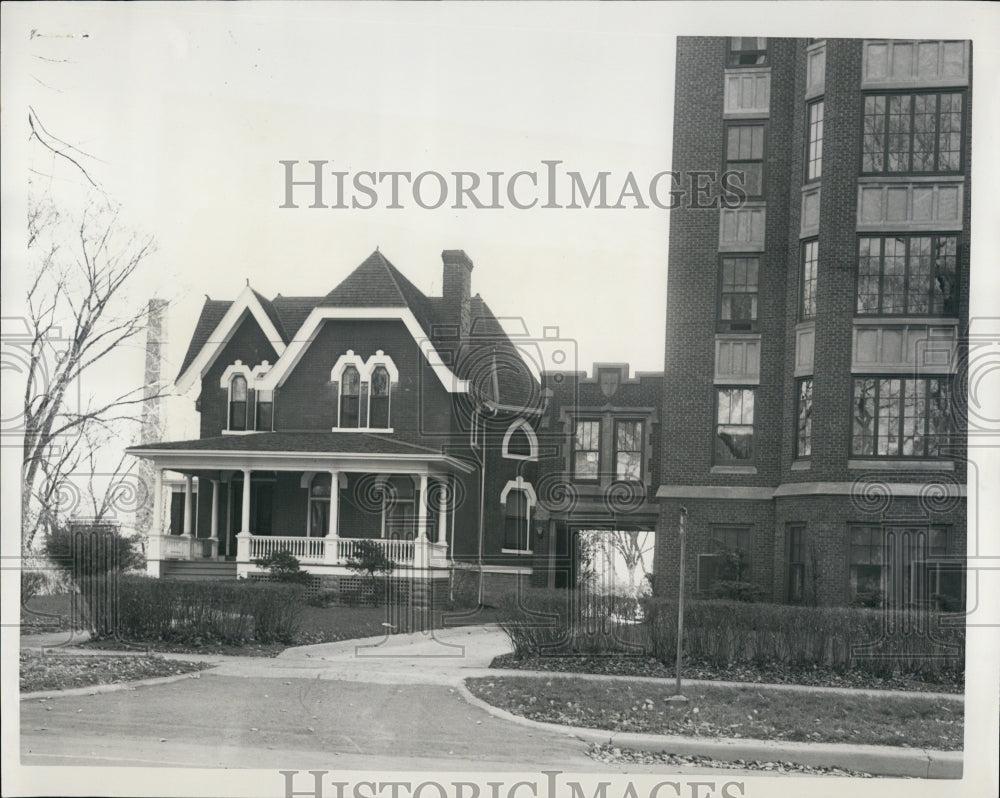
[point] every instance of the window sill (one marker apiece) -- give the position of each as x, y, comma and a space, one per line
361, 429
901, 465
243, 431
801, 465
734, 469
516, 551
886, 319
526, 457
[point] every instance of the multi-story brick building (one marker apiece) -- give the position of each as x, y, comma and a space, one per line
813, 424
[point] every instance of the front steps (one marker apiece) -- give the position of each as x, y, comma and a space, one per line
194, 570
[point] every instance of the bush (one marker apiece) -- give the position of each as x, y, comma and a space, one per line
721, 634
541, 622
737, 591
235, 613
369, 559
84, 550
283, 566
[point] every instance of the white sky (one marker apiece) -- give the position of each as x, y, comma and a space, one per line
190, 107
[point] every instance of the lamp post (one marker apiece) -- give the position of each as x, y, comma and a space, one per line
678, 697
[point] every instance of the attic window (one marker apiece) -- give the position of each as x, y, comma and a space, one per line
350, 392
520, 441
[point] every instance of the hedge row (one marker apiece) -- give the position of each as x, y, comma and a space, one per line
725, 633
142, 608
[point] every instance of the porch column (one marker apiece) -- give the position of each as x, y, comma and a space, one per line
245, 524
442, 537
332, 532
154, 544
214, 536
243, 553
331, 546
422, 510
188, 479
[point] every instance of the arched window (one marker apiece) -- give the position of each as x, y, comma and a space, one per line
378, 413
515, 531
350, 391
238, 402
520, 441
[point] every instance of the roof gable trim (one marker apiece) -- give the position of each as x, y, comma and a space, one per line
246, 302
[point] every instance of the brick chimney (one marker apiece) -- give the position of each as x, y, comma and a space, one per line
456, 289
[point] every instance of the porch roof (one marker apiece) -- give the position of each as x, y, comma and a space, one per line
314, 445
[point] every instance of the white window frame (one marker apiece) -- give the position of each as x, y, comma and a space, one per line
238, 369
365, 370
520, 423
528, 490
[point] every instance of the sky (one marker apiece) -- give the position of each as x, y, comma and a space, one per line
186, 110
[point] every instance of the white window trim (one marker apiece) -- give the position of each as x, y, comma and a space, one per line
528, 490
532, 441
365, 369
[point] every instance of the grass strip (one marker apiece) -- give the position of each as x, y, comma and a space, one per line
730, 712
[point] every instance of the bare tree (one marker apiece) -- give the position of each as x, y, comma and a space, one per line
632, 546
77, 314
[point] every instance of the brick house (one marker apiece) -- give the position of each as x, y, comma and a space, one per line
372, 412
814, 427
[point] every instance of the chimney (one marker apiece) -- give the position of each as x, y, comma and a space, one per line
456, 289
152, 408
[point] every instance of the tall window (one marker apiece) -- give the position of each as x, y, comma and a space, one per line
803, 428
810, 274
728, 560
738, 293
378, 415
896, 417
350, 392
264, 415
319, 505
628, 450
515, 535
903, 566
238, 402
796, 564
912, 133
814, 151
908, 275
734, 425
745, 154
746, 51
587, 449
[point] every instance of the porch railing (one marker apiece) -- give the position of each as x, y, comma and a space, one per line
303, 549
399, 551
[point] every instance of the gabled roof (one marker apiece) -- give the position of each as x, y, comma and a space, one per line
378, 285
211, 314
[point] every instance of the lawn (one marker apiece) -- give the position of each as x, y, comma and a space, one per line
740, 712
63, 671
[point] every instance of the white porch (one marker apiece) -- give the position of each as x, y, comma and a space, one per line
420, 544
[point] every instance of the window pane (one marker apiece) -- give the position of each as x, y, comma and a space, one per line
894, 275
924, 131
950, 135
628, 466
863, 430
814, 167
914, 417
869, 254
873, 139
804, 437
734, 432
919, 278
239, 389
889, 394
939, 417
810, 268
898, 149
943, 287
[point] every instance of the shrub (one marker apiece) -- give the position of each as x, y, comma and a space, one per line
147, 609
32, 583
737, 591
84, 549
369, 559
283, 566
722, 633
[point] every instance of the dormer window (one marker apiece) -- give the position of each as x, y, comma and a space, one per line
350, 398
238, 403
378, 410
